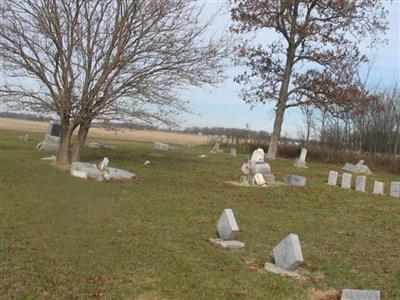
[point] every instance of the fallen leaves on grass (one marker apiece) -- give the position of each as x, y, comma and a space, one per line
324, 295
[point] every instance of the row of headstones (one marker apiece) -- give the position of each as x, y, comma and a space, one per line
287, 254
361, 182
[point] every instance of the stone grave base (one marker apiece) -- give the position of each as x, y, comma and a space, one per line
231, 245
244, 184
272, 268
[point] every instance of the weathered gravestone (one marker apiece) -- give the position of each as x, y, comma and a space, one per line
259, 180
301, 161
357, 168
119, 174
395, 189
287, 254
52, 138
233, 152
89, 169
361, 182
161, 146
378, 187
227, 231
346, 181
332, 178
350, 294
295, 180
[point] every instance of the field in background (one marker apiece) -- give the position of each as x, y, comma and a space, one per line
118, 133
66, 238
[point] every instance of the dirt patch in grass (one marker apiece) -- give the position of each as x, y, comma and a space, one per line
324, 295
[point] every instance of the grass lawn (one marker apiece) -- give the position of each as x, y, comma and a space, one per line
66, 238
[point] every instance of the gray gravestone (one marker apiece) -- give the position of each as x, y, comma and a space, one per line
361, 183
395, 189
118, 174
287, 254
346, 181
332, 179
296, 180
227, 226
301, 161
378, 187
161, 146
233, 152
88, 168
350, 294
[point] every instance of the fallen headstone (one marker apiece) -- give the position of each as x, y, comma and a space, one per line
119, 174
395, 189
79, 174
295, 180
95, 145
301, 161
227, 230
361, 183
90, 169
161, 146
332, 179
346, 181
350, 294
378, 187
358, 168
287, 254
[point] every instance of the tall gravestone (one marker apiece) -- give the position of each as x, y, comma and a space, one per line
378, 187
301, 161
346, 181
332, 178
395, 189
361, 183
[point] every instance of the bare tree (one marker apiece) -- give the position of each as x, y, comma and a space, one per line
99, 58
317, 41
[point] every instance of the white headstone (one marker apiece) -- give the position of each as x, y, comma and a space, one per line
303, 154
349, 294
227, 226
258, 155
332, 179
361, 182
259, 180
287, 254
378, 187
360, 163
395, 189
104, 164
346, 181
233, 152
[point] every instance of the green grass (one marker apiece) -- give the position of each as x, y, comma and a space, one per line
64, 237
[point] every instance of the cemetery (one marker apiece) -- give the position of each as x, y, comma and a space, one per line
190, 228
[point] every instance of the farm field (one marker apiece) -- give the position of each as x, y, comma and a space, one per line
117, 133
67, 238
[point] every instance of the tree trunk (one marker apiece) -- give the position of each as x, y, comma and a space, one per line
281, 107
64, 151
81, 139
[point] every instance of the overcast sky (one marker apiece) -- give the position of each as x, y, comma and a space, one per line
223, 107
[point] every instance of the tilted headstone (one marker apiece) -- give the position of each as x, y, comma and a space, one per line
378, 187
295, 180
259, 180
287, 254
88, 168
350, 294
361, 182
346, 181
161, 146
301, 161
332, 178
357, 168
395, 189
104, 164
227, 226
233, 152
